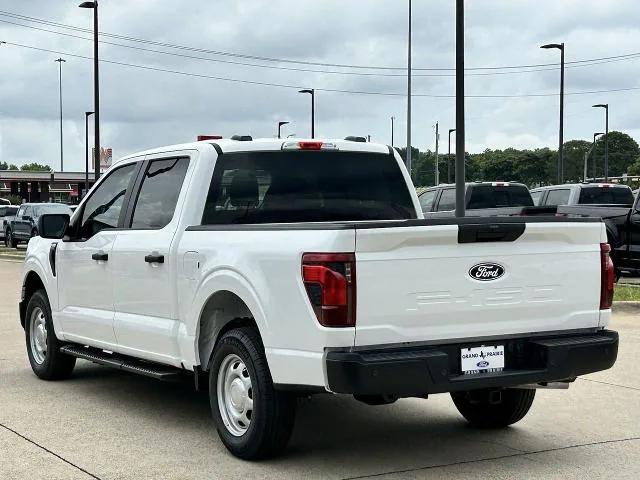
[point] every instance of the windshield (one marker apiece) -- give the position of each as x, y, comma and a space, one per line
606, 195
56, 208
490, 196
8, 211
282, 187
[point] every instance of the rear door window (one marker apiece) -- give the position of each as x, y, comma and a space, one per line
159, 193
426, 200
537, 196
306, 186
606, 195
447, 200
558, 197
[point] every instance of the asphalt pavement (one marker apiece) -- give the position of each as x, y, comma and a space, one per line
106, 424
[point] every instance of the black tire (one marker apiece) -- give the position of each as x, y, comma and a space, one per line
10, 241
273, 413
55, 365
494, 409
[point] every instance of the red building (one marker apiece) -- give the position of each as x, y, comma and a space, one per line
66, 187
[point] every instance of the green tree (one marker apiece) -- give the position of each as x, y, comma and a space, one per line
623, 152
574, 151
36, 167
8, 166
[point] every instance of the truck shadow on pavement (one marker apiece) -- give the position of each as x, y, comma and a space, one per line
328, 427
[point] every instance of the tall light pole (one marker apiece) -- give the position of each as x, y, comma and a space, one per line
409, 96
460, 133
60, 61
312, 92
86, 150
96, 86
392, 120
606, 139
437, 170
593, 153
560, 46
280, 124
451, 130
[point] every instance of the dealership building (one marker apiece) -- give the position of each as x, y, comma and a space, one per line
66, 187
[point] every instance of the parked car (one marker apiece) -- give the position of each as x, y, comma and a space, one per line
583, 194
282, 268
24, 225
6, 213
4, 201
482, 199
614, 204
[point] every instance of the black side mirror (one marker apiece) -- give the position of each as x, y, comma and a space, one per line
53, 225
26, 218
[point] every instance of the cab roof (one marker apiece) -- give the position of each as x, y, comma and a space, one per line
228, 145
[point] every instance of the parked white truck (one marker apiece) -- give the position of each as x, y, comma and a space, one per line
286, 268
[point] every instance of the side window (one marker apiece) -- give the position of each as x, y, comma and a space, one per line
159, 193
102, 210
447, 200
537, 196
558, 197
426, 200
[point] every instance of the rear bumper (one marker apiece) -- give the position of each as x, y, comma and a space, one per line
418, 371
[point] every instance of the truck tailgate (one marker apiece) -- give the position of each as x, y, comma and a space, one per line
414, 283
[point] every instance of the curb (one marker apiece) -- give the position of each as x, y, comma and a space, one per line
626, 307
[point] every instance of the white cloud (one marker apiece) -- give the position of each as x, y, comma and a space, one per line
141, 108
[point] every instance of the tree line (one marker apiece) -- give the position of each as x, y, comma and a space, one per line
32, 167
533, 167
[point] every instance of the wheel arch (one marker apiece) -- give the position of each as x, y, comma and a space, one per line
31, 284
230, 302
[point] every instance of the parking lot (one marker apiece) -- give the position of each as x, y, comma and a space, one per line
108, 425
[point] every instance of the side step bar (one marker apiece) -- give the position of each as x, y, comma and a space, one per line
123, 362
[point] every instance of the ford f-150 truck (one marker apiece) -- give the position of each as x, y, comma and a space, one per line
284, 268
615, 204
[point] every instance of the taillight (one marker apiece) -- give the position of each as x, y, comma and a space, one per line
330, 281
606, 277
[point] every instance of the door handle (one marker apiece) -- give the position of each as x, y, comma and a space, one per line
100, 257
154, 258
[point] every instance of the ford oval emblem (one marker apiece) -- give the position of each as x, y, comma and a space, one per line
482, 364
486, 272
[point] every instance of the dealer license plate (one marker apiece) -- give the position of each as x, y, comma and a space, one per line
488, 358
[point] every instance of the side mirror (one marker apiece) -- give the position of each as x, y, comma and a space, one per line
53, 225
26, 218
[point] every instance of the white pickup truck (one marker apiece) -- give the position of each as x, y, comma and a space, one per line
284, 268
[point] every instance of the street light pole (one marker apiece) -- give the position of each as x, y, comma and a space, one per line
392, 120
437, 170
60, 61
460, 132
280, 124
606, 139
593, 153
86, 151
96, 87
560, 46
451, 130
312, 92
409, 96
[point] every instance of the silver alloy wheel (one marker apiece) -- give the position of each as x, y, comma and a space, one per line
235, 395
38, 335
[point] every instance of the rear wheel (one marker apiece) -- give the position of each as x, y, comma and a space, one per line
494, 408
252, 418
43, 348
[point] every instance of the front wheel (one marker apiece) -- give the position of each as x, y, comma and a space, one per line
252, 418
10, 241
43, 348
494, 408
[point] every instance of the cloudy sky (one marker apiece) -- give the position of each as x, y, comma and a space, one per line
143, 108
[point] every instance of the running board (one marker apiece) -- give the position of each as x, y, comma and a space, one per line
123, 362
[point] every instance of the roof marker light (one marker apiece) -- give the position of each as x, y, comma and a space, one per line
309, 145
